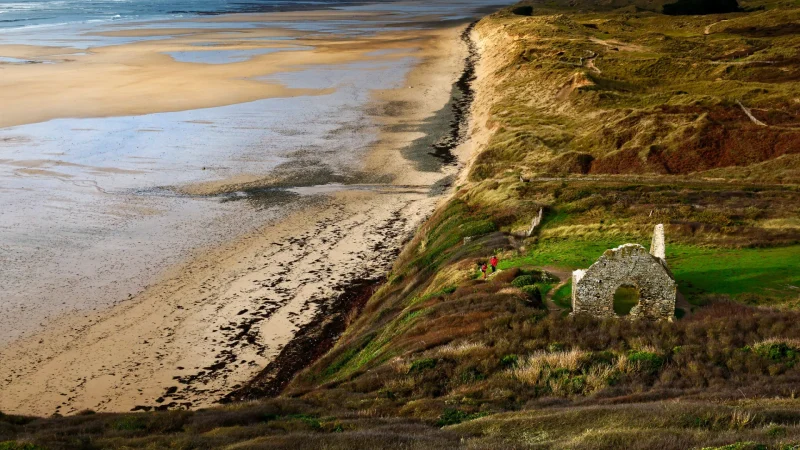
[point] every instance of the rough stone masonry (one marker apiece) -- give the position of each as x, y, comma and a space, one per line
627, 265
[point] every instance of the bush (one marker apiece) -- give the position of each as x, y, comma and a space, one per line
556, 347
534, 294
648, 361
778, 351
523, 280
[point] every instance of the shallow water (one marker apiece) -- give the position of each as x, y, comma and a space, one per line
228, 56
32, 13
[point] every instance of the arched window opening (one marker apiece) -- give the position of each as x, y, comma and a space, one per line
625, 298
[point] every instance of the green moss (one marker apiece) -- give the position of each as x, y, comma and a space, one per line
699, 271
346, 357
571, 254
448, 230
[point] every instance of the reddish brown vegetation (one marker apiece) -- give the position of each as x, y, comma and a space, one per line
724, 137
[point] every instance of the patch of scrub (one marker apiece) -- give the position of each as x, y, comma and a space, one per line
227, 56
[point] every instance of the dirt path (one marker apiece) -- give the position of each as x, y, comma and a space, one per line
548, 301
707, 30
565, 275
619, 45
589, 63
750, 115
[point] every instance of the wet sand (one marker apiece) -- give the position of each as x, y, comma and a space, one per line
212, 322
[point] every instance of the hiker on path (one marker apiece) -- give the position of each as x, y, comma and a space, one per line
493, 262
483, 269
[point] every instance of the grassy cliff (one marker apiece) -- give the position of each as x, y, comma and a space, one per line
612, 117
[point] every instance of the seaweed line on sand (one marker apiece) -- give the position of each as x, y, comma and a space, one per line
462, 98
314, 339
310, 343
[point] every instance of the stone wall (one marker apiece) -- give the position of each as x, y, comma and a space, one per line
629, 264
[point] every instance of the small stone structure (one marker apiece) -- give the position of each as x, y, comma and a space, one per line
627, 265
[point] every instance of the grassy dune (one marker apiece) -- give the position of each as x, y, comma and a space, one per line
613, 118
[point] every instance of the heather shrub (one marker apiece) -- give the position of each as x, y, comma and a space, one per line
778, 350
647, 361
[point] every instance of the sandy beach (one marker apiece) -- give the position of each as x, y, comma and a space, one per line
185, 330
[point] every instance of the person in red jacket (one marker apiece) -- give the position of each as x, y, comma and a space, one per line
483, 269
493, 262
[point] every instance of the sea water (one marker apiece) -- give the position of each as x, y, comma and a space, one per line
27, 13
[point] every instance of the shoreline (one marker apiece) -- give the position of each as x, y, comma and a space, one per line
321, 334
86, 384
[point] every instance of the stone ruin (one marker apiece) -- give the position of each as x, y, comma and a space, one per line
631, 265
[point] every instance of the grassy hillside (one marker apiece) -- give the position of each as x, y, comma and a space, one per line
613, 118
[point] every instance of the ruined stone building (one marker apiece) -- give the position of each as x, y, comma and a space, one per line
630, 266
